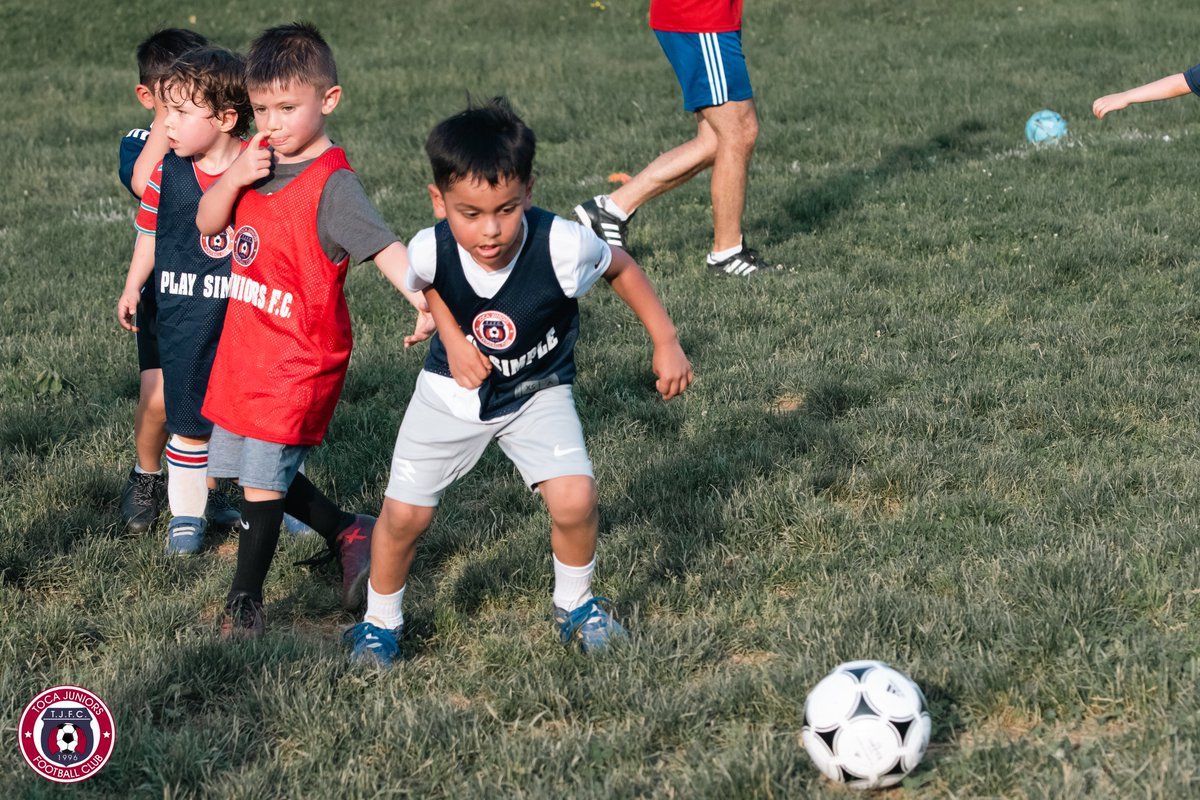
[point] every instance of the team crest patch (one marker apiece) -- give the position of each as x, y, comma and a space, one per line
245, 246
66, 734
218, 245
494, 329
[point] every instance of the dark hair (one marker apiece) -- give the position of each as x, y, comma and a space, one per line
159, 49
213, 78
488, 142
292, 53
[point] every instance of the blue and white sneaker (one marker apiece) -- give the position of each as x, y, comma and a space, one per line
371, 644
592, 625
185, 535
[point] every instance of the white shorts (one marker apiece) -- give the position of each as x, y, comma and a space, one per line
434, 448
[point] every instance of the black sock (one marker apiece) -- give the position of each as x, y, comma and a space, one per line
258, 537
306, 503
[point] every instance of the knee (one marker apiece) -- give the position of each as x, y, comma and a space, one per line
402, 523
575, 504
739, 131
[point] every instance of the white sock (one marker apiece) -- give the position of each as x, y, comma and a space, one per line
606, 202
385, 610
724, 254
187, 481
137, 468
572, 585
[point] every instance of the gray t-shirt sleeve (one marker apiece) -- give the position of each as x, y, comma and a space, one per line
347, 222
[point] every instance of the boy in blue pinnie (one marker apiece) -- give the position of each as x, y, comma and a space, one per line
500, 367
207, 112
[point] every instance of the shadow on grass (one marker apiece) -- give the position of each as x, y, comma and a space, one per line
688, 497
815, 207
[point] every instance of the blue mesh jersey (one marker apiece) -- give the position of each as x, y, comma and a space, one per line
191, 279
132, 145
528, 330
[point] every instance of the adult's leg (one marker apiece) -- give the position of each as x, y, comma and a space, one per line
735, 126
671, 169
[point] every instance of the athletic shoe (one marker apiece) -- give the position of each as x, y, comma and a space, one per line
591, 625
243, 618
741, 264
354, 553
219, 511
185, 535
142, 499
295, 527
371, 644
608, 227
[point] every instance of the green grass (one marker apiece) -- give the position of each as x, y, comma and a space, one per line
956, 432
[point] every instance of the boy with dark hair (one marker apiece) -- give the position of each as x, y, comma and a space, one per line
141, 150
299, 216
207, 114
501, 367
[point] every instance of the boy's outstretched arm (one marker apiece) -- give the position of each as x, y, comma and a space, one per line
1161, 89
393, 263
141, 267
216, 206
670, 365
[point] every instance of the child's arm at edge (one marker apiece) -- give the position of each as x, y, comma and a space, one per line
141, 267
216, 206
671, 366
1162, 89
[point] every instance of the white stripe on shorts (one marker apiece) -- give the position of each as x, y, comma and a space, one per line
715, 67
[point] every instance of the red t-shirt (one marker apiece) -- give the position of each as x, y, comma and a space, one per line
696, 16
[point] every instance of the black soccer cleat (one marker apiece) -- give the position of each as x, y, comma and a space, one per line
607, 226
742, 264
219, 511
142, 500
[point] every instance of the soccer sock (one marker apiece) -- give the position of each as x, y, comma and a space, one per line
385, 610
306, 503
572, 585
137, 468
606, 202
724, 254
257, 539
187, 484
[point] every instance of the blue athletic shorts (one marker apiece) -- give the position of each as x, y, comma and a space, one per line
147, 329
710, 67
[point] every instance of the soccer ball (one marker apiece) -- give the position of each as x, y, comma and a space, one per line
66, 738
1045, 126
866, 725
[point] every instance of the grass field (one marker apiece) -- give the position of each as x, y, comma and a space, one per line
956, 431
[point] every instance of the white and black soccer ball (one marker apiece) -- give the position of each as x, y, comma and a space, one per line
67, 738
866, 725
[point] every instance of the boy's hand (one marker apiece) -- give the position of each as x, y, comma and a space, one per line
127, 310
673, 370
422, 330
1110, 102
469, 367
253, 164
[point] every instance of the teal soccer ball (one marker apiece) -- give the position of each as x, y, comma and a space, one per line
1045, 126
